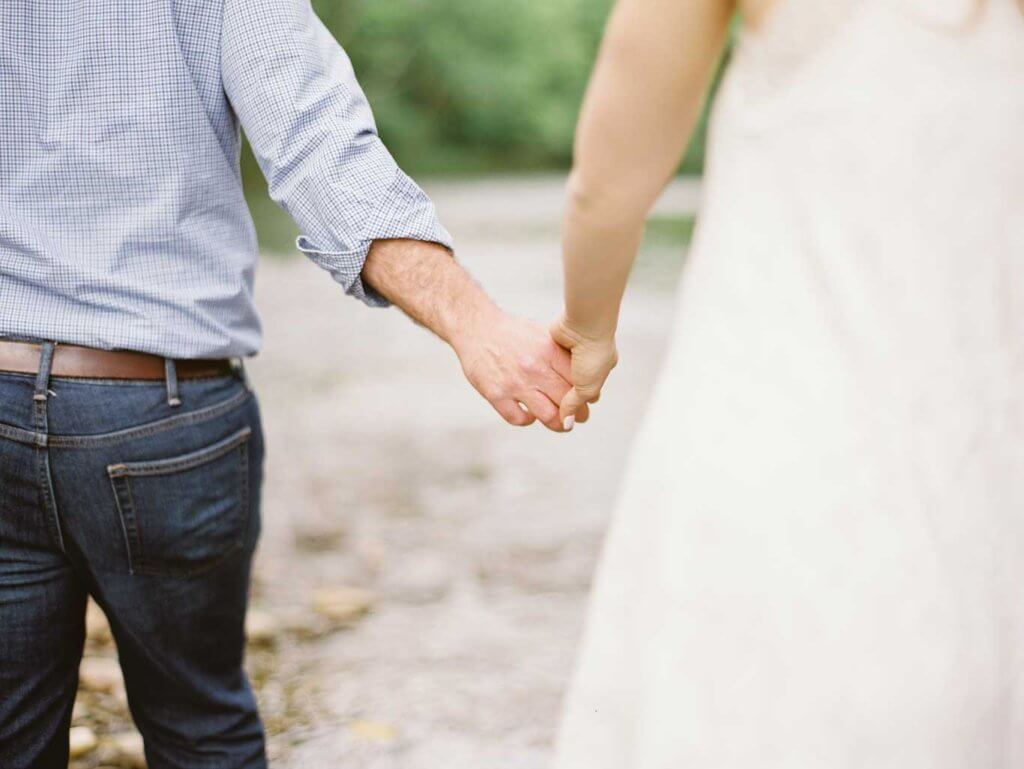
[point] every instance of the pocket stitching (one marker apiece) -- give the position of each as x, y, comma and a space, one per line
182, 463
246, 513
123, 472
132, 543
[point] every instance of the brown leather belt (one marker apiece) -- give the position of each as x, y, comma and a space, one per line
88, 363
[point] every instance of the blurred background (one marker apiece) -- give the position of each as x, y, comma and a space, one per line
423, 572
467, 88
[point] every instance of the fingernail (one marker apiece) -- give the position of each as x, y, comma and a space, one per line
568, 423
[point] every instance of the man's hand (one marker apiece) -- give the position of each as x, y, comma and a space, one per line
513, 363
593, 358
518, 369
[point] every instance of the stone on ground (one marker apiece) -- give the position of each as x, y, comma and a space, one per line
373, 731
101, 674
129, 750
261, 628
82, 741
342, 605
97, 628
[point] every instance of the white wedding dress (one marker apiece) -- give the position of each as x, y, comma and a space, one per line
817, 560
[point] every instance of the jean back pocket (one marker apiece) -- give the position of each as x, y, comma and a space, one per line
183, 516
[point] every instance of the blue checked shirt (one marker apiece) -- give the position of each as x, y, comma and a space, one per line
122, 219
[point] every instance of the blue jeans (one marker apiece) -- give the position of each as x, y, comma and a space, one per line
106, 489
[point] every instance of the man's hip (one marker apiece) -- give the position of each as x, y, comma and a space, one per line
110, 488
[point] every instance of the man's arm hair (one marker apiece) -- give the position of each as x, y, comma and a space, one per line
512, 363
427, 284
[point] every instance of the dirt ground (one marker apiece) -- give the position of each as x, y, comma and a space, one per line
474, 540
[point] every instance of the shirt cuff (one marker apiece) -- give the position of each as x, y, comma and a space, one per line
404, 211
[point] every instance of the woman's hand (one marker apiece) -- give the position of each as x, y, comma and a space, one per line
593, 358
517, 368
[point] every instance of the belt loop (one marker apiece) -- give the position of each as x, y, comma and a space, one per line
43, 375
171, 375
238, 364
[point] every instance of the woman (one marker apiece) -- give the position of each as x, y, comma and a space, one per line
818, 558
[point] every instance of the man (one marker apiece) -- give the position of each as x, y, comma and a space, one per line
130, 448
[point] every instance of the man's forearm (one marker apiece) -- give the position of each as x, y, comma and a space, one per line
425, 282
512, 363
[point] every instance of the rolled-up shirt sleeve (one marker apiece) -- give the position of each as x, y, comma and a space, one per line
312, 131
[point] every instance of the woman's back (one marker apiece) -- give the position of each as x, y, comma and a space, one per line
816, 560
864, 195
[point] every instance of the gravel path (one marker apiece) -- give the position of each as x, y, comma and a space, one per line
475, 540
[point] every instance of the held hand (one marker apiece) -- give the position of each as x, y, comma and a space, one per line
517, 368
593, 358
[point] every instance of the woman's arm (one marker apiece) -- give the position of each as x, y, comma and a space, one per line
643, 101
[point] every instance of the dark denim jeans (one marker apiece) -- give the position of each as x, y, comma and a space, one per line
108, 490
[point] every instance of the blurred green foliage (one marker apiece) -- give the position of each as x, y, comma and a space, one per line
664, 230
471, 86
